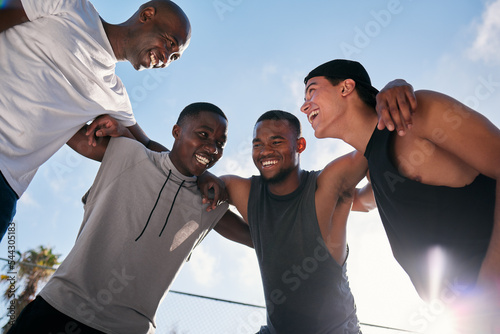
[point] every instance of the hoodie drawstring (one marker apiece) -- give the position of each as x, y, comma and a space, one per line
171, 207
154, 207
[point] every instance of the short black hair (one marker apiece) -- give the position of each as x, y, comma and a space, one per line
366, 95
194, 109
280, 115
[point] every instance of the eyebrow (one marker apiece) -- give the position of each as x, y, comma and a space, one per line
172, 37
271, 138
308, 86
206, 127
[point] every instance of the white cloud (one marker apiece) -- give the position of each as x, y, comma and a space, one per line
203, 267
320, 152
240, 164
28, 200
269, 70
247, 268
487, 44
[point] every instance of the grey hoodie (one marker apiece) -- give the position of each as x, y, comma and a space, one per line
142, 220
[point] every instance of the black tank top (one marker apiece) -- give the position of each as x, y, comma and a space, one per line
306, 290
433, 230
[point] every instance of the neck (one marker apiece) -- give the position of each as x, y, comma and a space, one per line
360, 128
287, 185
117, 38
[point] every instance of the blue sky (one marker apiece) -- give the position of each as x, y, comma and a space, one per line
248, 57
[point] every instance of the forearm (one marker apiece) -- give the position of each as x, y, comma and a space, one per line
364, 200
155, 146
232, 227
80, 143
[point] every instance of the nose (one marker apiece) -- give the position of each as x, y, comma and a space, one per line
305, 107
211, 148
266, 150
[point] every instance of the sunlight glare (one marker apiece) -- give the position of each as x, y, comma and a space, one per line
443, 325
436, 261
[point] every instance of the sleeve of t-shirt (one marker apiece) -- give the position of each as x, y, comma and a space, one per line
215, 215
212, 218
119, 152
125, 114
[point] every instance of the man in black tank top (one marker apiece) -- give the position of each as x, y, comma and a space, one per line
435, 185
297, 221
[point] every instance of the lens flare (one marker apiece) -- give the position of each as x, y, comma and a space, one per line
437, 263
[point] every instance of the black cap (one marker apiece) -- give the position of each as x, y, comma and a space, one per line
343, 69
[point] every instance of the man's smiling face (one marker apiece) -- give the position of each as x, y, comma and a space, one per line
321, 105
199, 143
160, 37
274, 150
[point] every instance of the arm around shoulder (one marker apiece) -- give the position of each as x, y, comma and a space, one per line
234, 228
472, 138
141, 136
238, 189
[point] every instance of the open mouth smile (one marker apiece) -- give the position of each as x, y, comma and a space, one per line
269, 163
312, 115
202, 160
156, 62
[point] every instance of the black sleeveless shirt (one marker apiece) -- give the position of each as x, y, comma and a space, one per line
437, 233
306, 290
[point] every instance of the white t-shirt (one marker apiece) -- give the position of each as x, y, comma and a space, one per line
142, 220
57, 72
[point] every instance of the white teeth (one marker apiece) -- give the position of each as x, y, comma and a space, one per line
154, 60
312, 115
202, 160
269, 162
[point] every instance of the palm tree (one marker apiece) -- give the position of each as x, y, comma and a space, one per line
35, 266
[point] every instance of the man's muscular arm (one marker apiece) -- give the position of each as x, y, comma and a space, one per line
334, 195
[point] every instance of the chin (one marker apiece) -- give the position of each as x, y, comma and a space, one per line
319, 135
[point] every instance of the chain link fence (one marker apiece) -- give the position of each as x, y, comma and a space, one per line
183, 313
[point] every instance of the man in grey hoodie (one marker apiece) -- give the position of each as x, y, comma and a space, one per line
143, 217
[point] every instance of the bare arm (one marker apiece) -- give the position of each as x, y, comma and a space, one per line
207, 182
80, 143
364, 200
333, 198
141, 136
238, 189
234, 228
395, 105
11, 13
91, 140
469, 136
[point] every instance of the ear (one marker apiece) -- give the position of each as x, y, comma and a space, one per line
176, 131
147, 14
301, 145
348, 86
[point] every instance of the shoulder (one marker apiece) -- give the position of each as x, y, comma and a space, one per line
342, 167
436, 112
235, 181
434, 106
238, 189
124, 149
36, 9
